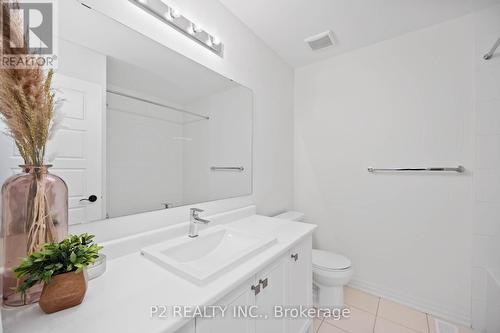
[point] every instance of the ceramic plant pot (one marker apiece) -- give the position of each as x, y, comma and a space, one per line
63, 291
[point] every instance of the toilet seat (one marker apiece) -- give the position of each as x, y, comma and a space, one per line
329, 261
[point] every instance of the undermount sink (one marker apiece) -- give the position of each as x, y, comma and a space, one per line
216, 250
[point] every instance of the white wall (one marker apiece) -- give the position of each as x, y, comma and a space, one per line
248, 61
492, 321
80, 62
409, 102
486, 231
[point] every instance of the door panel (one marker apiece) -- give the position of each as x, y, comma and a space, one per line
77, 145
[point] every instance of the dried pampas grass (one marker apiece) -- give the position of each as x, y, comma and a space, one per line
27, 104
27, 100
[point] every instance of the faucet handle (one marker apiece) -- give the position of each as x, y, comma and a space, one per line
196, 210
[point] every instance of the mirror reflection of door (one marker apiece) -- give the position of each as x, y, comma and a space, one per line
77, 145
78, 148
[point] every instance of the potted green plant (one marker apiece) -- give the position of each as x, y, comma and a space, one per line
61, 269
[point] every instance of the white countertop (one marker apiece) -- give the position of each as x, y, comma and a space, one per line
121, 299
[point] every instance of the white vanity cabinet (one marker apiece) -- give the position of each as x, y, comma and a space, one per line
273, 290
241, 298
287, 282
300, 283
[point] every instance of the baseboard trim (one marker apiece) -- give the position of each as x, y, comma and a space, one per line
458, 317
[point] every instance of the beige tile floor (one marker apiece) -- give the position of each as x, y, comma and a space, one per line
373, 314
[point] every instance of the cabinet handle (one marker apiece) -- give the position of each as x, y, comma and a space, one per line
264, 283
295, 256
256, 289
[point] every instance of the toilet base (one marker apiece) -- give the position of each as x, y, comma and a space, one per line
331, 297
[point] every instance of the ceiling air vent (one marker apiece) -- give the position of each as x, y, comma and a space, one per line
321, 41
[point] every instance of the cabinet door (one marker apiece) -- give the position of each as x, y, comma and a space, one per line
272, 293
242, 298
300, 283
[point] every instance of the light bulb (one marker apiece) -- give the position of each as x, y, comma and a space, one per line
190, 29
174, 13
197, 28
143, 1
168, 15
209, 41
215, 40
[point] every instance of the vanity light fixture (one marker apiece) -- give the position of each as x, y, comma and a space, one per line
191, 30
171, 16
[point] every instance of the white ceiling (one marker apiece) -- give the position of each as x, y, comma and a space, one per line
284, 24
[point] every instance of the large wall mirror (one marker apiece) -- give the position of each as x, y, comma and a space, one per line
144, 128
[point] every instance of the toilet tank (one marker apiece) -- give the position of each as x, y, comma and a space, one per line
291, 216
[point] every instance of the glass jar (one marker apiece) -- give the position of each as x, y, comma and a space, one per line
34, 212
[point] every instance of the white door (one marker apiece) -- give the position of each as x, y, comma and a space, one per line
241, 299
300, 283
272, 293
78, 147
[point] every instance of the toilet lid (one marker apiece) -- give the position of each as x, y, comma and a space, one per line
329, 261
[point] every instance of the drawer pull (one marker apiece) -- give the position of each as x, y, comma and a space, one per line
295, 256
264, 283
256, 289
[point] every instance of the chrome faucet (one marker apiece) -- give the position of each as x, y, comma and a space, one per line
194, 221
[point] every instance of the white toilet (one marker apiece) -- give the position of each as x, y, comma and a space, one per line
331, 272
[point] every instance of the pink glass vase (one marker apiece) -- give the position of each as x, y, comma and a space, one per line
34, 212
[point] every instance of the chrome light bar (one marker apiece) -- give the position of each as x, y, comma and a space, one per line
169, 15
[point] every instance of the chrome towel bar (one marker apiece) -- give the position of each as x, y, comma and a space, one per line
227, 168
459, 169
490, 54
114, 92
